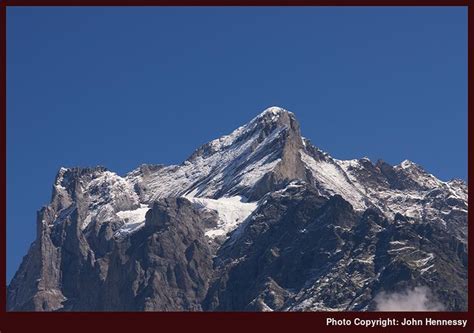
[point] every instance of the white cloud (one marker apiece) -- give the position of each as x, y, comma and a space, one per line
416, 299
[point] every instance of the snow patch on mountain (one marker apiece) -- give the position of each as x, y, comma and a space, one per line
231, 211
134, 220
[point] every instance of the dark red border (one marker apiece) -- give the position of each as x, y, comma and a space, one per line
3, 165
214, 322
236, 2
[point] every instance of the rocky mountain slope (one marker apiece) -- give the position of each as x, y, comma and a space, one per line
258, 220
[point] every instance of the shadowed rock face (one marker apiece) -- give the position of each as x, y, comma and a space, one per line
304, 252
164, 266
325, 234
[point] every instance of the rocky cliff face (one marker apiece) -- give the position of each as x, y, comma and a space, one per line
258, 220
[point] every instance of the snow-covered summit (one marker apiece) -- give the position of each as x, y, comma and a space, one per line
232, 164
273, 112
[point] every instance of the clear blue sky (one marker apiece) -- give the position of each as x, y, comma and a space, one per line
123, 86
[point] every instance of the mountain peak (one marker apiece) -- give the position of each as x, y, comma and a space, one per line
275, 118
274, 114
274, 110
